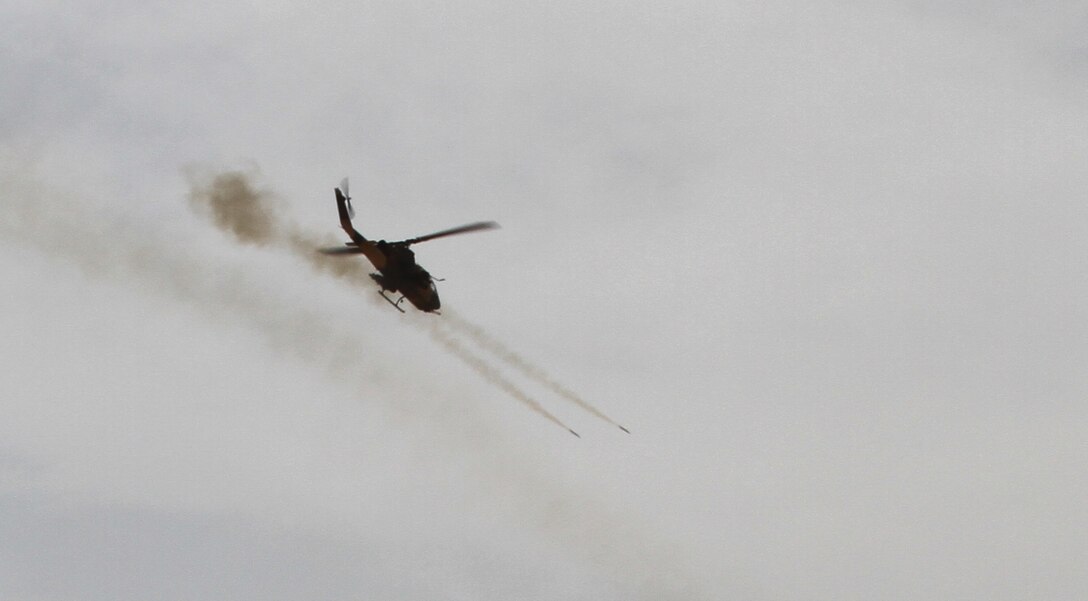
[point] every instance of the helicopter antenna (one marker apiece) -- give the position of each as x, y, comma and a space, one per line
347, 197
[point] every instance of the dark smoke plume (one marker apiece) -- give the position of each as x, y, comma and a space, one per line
237, 207
251, 215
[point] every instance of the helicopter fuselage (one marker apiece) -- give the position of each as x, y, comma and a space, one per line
400, 273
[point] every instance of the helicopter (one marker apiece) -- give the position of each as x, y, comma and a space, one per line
395, 261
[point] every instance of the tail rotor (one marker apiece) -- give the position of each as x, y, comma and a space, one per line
347, 197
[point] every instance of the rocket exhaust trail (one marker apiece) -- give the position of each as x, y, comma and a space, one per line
498, 349
491, 374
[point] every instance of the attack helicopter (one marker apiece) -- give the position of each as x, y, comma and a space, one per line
398, 271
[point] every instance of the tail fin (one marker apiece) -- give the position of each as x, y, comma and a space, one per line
343, 207
358, 243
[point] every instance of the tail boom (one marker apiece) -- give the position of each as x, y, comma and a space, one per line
364, 246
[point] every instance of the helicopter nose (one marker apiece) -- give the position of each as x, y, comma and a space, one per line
433, 304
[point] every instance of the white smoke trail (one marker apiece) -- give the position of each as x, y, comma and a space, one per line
503, 352
490, 374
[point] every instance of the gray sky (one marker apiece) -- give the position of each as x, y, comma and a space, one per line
826, 261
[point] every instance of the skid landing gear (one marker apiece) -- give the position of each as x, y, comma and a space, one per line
396, 305
378, 279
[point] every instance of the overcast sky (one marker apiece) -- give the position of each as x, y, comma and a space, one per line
826, 260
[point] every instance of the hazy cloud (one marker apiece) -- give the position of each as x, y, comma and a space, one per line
824, 260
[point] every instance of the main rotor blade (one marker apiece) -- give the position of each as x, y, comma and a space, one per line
464, 229
341, 250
